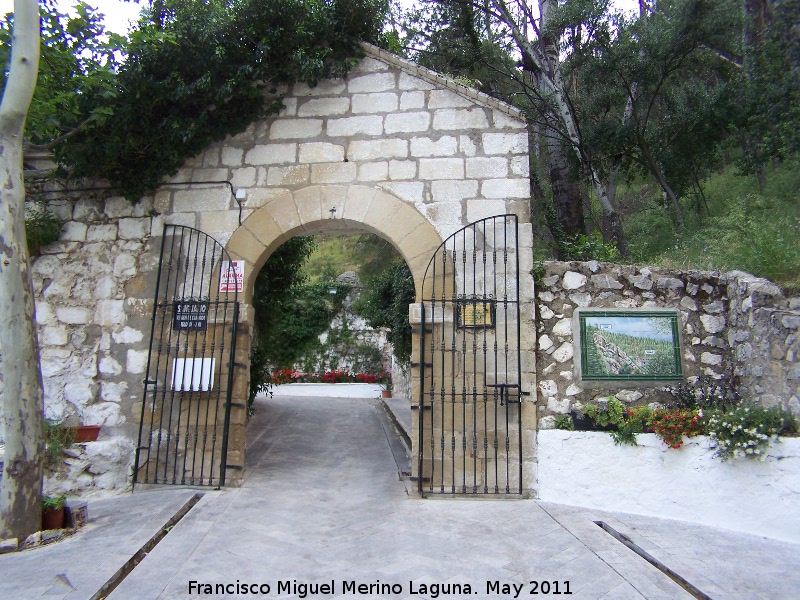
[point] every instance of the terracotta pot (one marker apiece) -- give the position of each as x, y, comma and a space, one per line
86, 433
81, 434
386, 393
52, 518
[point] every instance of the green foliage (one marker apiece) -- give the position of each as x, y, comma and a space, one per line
298, 319
612, 414
366, 359
57, 439
590, 247
198, 71
745, 229
54, 502
565, 422
42, 227
385, 304
259, 372
770, 95
747, 431
627, 423
77, 61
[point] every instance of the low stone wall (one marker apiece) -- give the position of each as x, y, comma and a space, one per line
585, 468
735, 328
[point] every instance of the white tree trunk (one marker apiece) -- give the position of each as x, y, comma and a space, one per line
21, 485
552, 81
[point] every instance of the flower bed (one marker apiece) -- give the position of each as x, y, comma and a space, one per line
285, 376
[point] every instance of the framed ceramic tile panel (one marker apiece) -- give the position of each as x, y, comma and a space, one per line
628, 345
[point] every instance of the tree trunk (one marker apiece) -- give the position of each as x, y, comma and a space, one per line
654, 169
566, 191
21, 485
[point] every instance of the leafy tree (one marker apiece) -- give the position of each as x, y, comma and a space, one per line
78, 58
656, 98
21, 484
385, 304
771, 49
195, 72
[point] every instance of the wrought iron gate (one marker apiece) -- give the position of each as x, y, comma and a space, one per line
470, 429
186, 406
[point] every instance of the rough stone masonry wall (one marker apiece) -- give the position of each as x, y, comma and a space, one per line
93, 329
735, 327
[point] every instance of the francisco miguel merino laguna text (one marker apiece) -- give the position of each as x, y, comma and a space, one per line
301, 589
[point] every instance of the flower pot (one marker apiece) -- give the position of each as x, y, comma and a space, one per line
52, 518
86, 433
386, 393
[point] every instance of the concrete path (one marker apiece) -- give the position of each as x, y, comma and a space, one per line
322, 505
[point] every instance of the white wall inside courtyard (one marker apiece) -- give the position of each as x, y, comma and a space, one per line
585, 468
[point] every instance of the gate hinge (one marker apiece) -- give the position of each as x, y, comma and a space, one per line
420, 329
424, 479
235, 467
150, 382
416, 364
416, 407
240, 365
237, 404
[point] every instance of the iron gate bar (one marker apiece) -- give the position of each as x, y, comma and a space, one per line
487, 409
189, 261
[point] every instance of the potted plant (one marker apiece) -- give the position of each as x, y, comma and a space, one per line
53, 511
385, 379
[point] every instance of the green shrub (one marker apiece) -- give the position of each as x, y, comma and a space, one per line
54, 502
565, 422
42, 227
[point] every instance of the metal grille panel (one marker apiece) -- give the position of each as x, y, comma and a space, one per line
469, 419
183, 434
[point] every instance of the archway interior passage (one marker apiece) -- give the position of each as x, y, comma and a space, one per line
470, 428
331, 303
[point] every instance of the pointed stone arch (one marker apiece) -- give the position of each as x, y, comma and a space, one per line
333, 209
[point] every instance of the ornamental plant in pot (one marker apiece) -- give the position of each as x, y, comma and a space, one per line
385, 379
53, 511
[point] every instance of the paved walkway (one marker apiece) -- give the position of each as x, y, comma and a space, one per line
322, 504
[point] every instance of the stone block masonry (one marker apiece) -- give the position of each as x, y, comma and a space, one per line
735, 328
392, 124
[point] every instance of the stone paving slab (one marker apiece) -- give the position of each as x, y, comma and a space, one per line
77, 567
322, 503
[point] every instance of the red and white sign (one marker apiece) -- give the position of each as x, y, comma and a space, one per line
231, 278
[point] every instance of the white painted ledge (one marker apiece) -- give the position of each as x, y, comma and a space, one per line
329, 390
585, 468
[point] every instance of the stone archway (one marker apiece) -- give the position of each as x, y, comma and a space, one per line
333, 209
307, 211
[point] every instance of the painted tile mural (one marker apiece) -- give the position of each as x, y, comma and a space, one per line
629, 345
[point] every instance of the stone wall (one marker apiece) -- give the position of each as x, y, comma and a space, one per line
735, 328
93, 326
